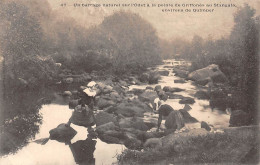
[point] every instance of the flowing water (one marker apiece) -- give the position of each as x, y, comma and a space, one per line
54, 152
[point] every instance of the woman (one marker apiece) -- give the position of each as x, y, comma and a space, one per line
83, 114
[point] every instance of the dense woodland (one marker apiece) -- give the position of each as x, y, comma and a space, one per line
34, 38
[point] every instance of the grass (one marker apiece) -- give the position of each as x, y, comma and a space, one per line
230, 147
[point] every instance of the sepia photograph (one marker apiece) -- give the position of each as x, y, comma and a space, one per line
129, 82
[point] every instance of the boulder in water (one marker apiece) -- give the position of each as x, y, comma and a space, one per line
212, 71
174, 96
187, 100
181, 81
163, 72
172, 89
103, 118
205, 126
181, 73
106, 127
62, 133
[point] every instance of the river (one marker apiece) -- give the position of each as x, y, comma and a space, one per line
54, 152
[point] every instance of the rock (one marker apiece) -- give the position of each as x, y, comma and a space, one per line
203, 82
212, 71
181, 73
172, 89
73, 103
110, 139
157, 88
187, 100
239, 118
126, 123
129, 110
112, 136
103, 118
62, 133
103, 103
153, 143
67, 93
187, 117
205, 126
137, 91
202, 95
174, 96
149, 135
149, 88
148, 96
133, 143
163, 72
153, 78
106, 127
140, 126
181, 81
68, 80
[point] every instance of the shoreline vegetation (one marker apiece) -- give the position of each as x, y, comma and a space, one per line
40, 51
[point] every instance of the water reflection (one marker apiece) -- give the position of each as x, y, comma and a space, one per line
21, 118
83, 151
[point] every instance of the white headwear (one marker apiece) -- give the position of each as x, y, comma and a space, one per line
90, 92
91, 84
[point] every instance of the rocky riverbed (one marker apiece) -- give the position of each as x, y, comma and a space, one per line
125, 118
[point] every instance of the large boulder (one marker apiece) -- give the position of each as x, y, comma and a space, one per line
187, 100
181, 73
153, 143
103, 103
112, 136
239, 118
103, 118
62, 133
154, 78
129, 110
212, 71
148, 96
106, 127
132, 142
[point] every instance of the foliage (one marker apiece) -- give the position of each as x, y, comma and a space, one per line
21, 44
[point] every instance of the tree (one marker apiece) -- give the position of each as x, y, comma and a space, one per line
244, 40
